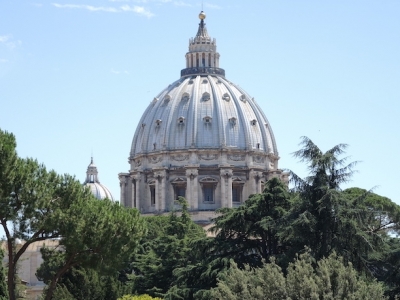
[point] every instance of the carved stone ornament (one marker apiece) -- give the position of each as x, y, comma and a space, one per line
236, 157
258, 159
257, 175
192, 173
138, 163
155, 159
208, 156
226, 173
136, 177
158, 175
180, 157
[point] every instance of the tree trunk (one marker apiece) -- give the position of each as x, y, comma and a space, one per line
53, 284
11, 271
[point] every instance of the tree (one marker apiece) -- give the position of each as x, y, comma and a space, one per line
317, 214
99, 235
32, 200
378, 221
250, 233
329, 279
89, 284
165, 248
246, 235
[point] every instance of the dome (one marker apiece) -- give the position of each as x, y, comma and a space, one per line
203, 138
203, 111
92, 182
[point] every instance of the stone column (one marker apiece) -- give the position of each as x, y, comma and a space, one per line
226, 187
122, 188
192, 187
156, 196
188, 189
229, 189
159, 177
257, 182
162, 192
223, 197
136, 190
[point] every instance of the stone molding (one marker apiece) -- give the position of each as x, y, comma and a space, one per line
208, 156
236, 157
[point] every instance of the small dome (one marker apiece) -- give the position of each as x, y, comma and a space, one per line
92, 182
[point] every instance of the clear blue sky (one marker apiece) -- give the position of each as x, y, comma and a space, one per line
76, 76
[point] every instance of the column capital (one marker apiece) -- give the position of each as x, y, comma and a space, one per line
122, 180
226, 173
136, 176
192, 173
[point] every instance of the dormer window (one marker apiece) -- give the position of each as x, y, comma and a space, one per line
243, 98
185, 97
205, 81
143, 125
233, 121
181, 121
207, 120
226, 97
154, 146
253, 122
167, 99
206, 96
158, 122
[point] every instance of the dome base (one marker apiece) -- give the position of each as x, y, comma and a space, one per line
203, 70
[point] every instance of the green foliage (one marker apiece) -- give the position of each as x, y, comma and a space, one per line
99, 235
3, 286
141, 297
330, 279
88, 284
316, 216
250, 233
247, 234
165, 248
378, 221
32, 201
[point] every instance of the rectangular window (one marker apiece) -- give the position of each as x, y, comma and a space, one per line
152, 195
208, 193
180, 191
236, 194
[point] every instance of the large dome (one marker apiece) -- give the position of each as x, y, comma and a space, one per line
203, 111
203, 138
